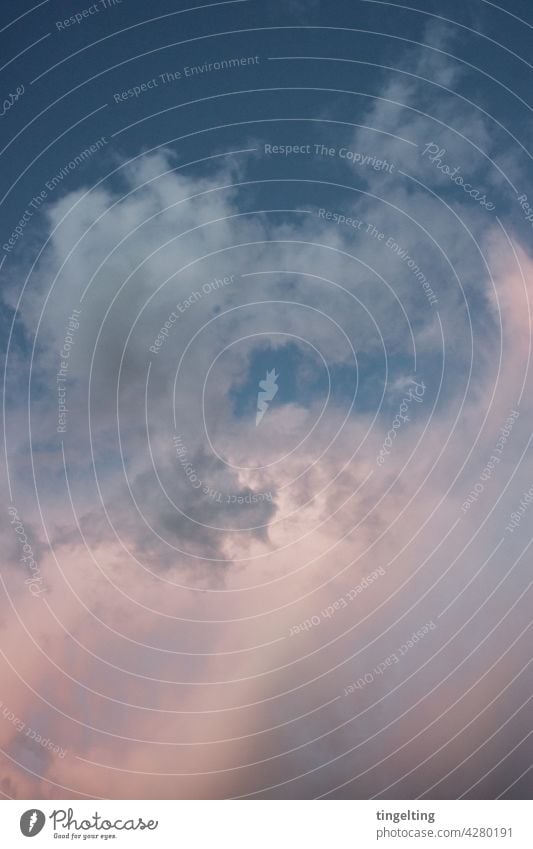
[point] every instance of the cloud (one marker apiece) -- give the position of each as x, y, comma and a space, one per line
161, 657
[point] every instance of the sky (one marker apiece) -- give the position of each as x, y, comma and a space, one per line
266, 281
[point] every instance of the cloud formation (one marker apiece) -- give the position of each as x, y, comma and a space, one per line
207, 601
